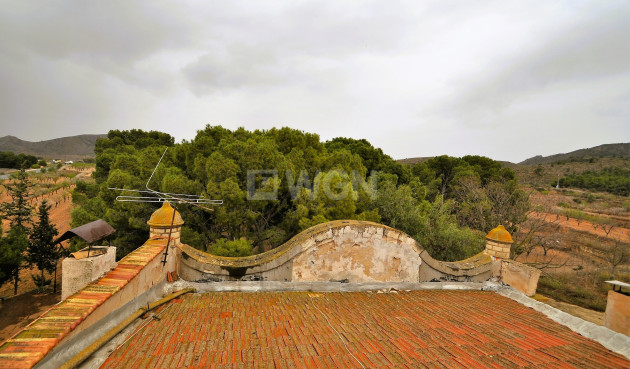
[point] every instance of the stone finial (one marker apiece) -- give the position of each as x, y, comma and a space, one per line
160, 223
498, 243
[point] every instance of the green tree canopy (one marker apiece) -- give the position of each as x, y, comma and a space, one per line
275, 183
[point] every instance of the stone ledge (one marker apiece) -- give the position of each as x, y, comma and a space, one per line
474, 265
257, 286
610, 339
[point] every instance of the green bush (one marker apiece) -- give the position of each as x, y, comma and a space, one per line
41, 282
613, 180
192, 238
568, 289
236, 248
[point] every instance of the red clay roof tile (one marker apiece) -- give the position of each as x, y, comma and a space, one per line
30, 345
432, 329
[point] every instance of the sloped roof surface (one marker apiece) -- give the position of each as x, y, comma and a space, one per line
90, 232
30, 345
419, 329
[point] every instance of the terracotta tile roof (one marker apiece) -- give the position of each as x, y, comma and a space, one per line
419, 329
30, 345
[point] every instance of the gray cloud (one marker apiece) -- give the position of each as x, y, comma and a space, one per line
417, 79
591, 48
232, 68
120, 31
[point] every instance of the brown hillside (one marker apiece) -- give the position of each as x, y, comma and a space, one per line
619, 150
64, 148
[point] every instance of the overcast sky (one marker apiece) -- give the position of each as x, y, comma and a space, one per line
504, 79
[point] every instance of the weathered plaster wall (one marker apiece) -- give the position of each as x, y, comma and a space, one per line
77, 273
520, 276
150, 273
343, 250
359, 253
617, 315
356, 251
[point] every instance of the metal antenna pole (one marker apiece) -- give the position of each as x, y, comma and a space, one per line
154, 169
170, 232
158, 196
171, 198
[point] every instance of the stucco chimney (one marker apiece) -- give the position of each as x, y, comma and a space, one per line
162, 221
78, 270
498, 243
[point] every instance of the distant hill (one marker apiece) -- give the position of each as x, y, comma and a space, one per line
65, 148
618, 150
412, 161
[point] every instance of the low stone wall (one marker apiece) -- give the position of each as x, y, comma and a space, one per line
344, 250
474, 269
520, 276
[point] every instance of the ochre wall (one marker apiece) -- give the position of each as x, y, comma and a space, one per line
617, 315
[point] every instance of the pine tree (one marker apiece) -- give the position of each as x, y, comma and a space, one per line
12, 250
41, 251
19, 212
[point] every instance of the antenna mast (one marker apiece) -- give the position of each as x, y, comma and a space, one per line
150, 196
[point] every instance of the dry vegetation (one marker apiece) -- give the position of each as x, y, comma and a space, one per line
56, 188
584, 236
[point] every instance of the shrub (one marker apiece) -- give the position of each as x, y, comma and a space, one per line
41, 283
573, 291
236, 248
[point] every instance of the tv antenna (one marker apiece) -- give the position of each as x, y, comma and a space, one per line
150, 196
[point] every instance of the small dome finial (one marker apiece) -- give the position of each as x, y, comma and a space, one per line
164, 215
500, 234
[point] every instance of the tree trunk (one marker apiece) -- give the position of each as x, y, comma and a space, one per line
55, 278
16, 279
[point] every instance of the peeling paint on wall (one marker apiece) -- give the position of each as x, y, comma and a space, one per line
358, 254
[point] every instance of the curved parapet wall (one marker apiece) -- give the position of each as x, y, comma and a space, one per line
343, 250
477, 268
